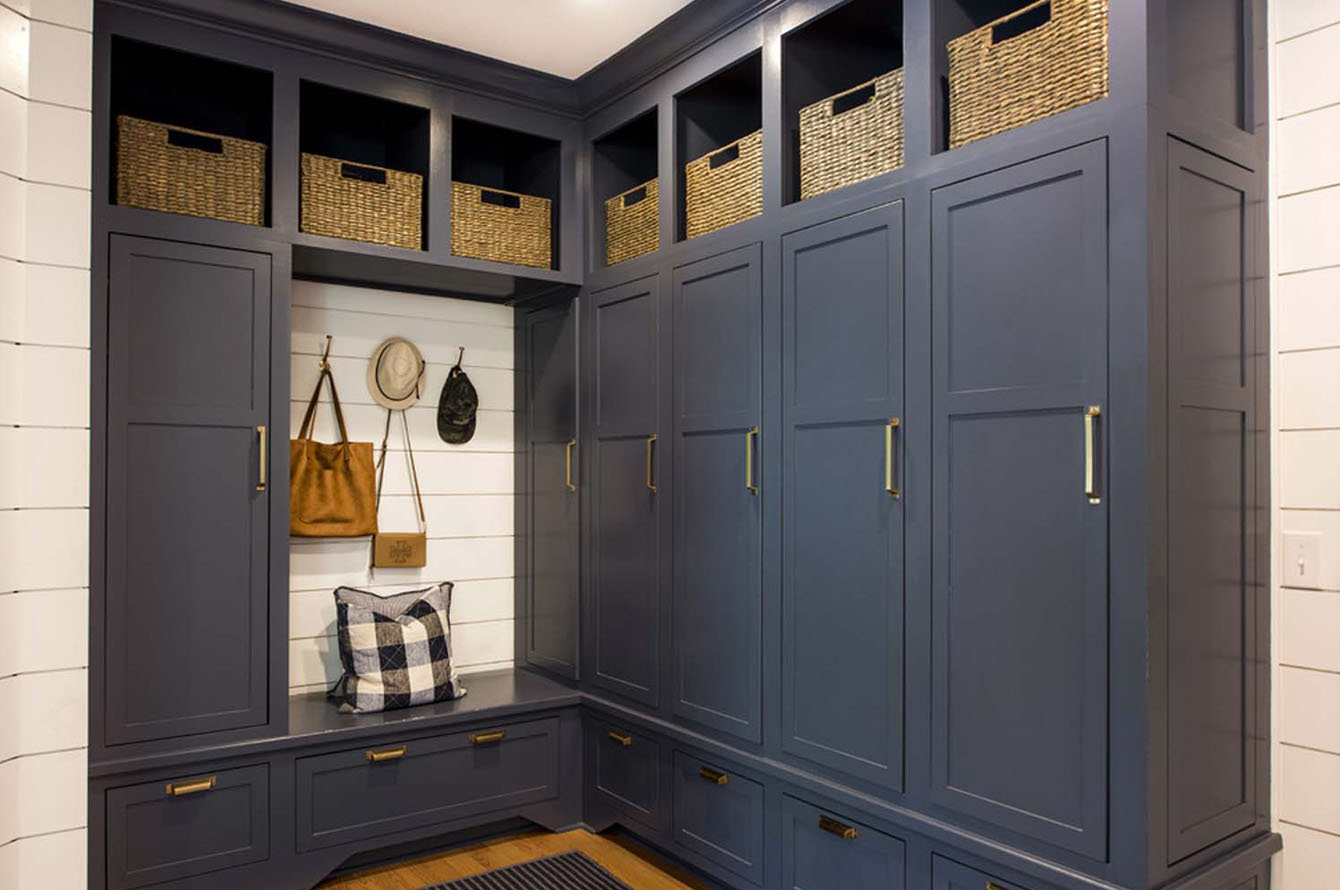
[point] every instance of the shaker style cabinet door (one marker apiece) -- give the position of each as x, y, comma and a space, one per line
1019, 515
627, 504
187, 568
553, 533
842, 515
718, 560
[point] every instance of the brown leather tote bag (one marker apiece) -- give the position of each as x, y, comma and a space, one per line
332, 488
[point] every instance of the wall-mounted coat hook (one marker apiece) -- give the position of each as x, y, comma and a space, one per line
324, 364
460, 356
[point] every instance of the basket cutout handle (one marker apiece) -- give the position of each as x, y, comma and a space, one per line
636, 196
363, 174
199, 141
854, 98
499, 199
724, 157
1016, 24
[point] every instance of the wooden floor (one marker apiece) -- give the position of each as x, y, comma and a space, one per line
637, 868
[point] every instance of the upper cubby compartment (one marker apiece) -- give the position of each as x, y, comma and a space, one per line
190, 134
505, 189
842, 97
625, 177
1001, 64
719, 149
364, 167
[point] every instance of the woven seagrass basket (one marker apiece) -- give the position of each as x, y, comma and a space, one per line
361, 202
1046, 58
177, 170
493, 224
852, 136
632, 223
724, 187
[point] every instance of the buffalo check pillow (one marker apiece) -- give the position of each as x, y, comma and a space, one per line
396, 650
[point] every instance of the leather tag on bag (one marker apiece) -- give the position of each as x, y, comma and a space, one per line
399, 551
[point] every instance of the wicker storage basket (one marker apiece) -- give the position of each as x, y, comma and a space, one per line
852, 136
632, 223
1002, 76
724, 187
177, 170
361, 202
492, 224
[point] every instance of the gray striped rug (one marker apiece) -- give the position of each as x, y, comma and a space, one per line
566, 871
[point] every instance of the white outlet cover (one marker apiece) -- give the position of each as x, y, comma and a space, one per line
1300, 563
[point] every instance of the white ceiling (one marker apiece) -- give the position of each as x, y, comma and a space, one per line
563, 37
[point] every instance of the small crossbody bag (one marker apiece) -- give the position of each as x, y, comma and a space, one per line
400, 550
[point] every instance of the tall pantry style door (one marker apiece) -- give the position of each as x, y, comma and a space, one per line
1019, 509
187, 567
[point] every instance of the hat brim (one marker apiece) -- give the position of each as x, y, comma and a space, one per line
379, 395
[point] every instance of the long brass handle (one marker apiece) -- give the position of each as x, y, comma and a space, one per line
833, 826
571, 444
1091, 489
386, 754
488, 738
750, 438
890, 479
716, 777
262, 478
651, 447
195, 786
622, 739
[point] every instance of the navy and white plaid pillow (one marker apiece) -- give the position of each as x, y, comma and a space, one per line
396, 650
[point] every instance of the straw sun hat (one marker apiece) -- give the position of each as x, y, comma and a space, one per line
395, 374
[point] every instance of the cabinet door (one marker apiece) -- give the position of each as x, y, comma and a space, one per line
553, 534
718, 328
187, 570
842, 517
626, 503
1019, 628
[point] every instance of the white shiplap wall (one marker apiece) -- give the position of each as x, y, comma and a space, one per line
467, 488
1306, 189
45, 151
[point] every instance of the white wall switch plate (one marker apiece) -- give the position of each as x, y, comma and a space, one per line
1301, 560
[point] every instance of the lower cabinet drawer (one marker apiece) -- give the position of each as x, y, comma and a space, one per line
370, 792
946, 874
822, 850
626, 768
166, 831
719, 816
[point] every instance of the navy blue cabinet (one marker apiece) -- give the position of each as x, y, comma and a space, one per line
718, 331
1019, 509
822, 850
719, 815
842, 516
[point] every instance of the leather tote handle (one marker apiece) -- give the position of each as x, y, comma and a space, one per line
309, 418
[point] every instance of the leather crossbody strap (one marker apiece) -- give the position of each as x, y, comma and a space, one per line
413, 470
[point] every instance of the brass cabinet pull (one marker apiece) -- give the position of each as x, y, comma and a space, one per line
386, 754
833, 826
195, 786
571, 444
992, 885
1090, 459
750, 438
488, 738
625, 740
716, 777
651, 447
262, 478
890, 478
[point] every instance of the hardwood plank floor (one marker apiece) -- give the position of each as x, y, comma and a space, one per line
637, 868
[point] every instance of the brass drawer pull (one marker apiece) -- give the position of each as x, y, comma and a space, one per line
386, 754
714, 776
992, 885
833, 826
488, 738
196, 786
625, 740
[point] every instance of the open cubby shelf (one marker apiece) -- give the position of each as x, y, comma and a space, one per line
621, 160
831, 54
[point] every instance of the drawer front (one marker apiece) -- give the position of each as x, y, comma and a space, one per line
946, 874
719, 815
392, 787
627, 772
823, 850
174, 829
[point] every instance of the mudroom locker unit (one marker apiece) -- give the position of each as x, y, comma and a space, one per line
914, 533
